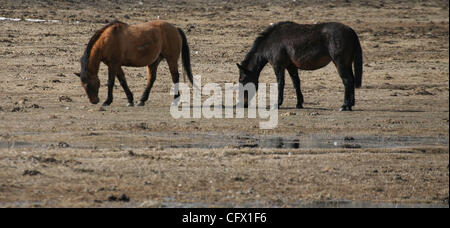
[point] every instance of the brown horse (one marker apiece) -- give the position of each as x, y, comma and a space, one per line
119, 44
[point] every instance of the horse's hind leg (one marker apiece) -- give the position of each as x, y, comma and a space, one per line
173, 67
123, 83
293, 72
346, 74
151, 77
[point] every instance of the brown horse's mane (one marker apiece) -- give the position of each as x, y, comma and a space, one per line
85, 58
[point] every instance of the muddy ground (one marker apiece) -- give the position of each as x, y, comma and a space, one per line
58, 150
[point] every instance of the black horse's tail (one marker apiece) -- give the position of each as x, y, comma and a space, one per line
185, 56
358, 63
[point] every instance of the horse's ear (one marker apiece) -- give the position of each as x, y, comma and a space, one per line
243, 68
77, 74
239, 66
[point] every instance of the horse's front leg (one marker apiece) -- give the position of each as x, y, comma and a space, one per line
111, 78
279, 72
123, 83
293, 72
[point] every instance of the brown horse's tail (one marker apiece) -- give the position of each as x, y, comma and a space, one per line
358, 63
185, 56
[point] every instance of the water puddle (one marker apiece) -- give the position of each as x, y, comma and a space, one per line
317, 141
240, 142
27, 19
14, 144
39, 145
213, 140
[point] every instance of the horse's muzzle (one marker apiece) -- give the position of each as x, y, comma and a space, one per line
94, 101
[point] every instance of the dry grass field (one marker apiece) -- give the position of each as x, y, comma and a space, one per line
58, 150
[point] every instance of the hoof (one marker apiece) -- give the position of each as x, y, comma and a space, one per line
299, 106
130, 104
240, 105
106, 104
345, 108
141, 103
279, 104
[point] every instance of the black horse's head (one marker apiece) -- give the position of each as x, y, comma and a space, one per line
245, 77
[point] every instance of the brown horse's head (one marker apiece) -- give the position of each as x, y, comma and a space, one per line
91, 84
89, 72
91, 87
89, 67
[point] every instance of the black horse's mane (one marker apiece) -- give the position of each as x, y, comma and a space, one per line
261, 37
85, 58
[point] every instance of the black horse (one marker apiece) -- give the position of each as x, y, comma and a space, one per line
291, 46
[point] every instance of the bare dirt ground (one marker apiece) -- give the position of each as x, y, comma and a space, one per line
58, 150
